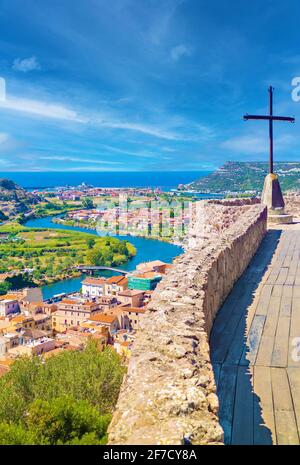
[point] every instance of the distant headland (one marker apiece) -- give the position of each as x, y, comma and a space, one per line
245, 177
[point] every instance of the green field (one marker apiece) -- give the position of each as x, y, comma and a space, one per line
51, 255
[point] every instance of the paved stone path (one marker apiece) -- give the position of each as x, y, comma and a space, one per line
252, 347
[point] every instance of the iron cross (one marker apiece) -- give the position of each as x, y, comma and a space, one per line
270, 118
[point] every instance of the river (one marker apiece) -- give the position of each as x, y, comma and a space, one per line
147, 249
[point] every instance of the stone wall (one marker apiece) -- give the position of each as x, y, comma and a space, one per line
292, 204
169, 395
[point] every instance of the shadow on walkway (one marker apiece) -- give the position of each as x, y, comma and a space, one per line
240, 411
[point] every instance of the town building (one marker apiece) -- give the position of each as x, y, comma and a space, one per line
135, 315
107, 302
131, 297
77, 339
42, 321
42, 307
8, 306
108, 320
22, 321
144, 281
72, 312
115, 284
93, 287
156, 266
8, 341
34, 347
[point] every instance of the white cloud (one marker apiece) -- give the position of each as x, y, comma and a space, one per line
143, 128
169, 129
180, 51
257, 144
78, 159
61, 112
40, 108
3, 138
26, 64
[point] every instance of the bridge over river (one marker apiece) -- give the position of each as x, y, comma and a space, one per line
91, 269
253, 346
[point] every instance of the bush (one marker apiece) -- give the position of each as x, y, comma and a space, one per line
66, 399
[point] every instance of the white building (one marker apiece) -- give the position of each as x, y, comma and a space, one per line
34, 347
9, 306
93, 287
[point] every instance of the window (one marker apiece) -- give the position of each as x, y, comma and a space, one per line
66, 322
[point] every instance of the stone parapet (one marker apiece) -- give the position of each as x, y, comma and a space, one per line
169, 394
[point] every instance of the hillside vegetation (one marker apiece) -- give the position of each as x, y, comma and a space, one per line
65, 399
247, 176
51, 255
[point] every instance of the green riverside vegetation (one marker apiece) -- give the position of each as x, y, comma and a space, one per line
53, 254
66, 399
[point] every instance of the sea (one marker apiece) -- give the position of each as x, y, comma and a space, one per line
165, 180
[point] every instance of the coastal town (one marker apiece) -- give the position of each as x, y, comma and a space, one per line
108, 310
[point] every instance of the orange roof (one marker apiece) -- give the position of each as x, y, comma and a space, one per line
131, 292
94, 281
103, 318
20, 318
89, 304
120, 280
69, 302
148, 274
134, 309
10, 297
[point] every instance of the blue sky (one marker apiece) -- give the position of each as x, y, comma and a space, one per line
145, 84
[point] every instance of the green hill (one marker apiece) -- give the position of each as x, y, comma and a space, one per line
14, 199
246, 176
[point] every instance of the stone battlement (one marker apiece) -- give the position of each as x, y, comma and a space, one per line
169, 395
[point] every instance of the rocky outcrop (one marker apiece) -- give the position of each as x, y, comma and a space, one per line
169, 394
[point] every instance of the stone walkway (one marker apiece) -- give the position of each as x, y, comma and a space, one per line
253, 346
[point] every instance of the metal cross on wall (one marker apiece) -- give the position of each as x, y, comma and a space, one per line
270, 118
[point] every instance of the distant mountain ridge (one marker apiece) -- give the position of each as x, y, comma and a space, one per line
9, 190
14, 199
246, 176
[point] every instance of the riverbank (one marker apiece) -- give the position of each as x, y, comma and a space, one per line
93, 226
147, 250
50, 254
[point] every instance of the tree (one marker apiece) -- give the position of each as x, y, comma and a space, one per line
90, 242
14, 434
2, 216
4, 287
66, 399
65, 419
87, 203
